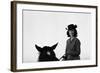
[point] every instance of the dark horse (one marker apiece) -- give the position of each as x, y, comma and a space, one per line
47, 53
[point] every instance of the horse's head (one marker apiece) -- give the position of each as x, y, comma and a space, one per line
47, 52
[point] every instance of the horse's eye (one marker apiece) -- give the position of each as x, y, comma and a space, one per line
48, 53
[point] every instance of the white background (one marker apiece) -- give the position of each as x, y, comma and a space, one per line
48, 28
5, 37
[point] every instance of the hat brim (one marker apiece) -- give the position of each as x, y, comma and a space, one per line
66, 28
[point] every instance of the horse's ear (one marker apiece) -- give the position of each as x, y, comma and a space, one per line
54, 46
38, 48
